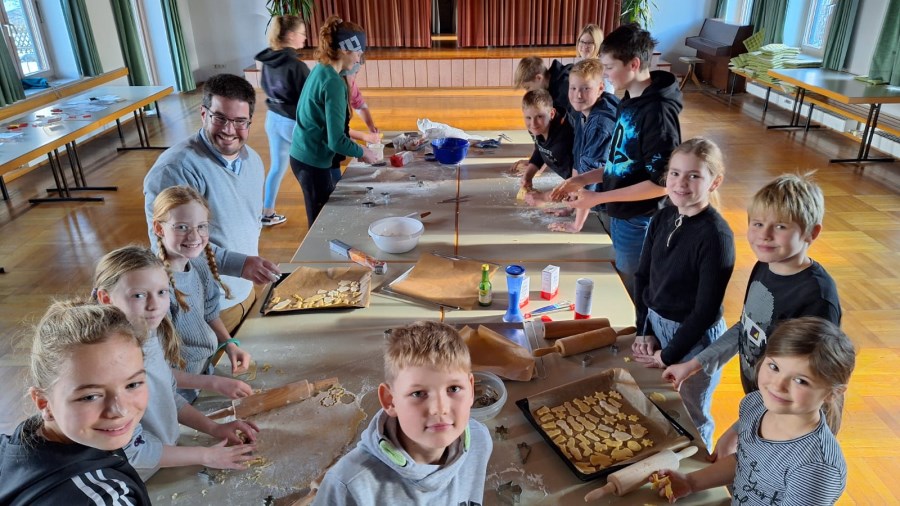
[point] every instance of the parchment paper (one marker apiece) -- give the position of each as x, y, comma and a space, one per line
443, 281
494, 353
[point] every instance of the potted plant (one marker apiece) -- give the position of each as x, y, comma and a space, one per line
638, 11
302, 8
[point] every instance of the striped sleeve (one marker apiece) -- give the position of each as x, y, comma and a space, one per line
814, 484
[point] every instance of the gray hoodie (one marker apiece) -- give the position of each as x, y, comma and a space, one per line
379, 471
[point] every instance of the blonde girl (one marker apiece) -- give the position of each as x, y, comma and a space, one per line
282, 78
587, 45
686, 262
88, 384
787, 450
181, 225
135, 280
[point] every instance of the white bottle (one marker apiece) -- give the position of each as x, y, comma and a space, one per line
584, 292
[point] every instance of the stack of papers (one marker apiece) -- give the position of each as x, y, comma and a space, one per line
757, 63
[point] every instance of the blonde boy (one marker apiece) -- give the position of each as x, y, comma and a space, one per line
552, 136
421, 447
784, 218
532, 74
595, 113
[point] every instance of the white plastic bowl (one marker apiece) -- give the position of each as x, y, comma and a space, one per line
486, 380
397, 234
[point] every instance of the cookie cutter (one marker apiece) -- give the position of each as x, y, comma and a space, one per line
524, 451
501, 432
510, 492
586, 360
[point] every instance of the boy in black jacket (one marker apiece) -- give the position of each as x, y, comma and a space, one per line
552, 136
647, 130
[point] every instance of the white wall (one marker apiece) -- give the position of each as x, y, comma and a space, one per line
674, 21
104, 26
226, 34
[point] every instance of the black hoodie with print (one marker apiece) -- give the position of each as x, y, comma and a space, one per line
647, 131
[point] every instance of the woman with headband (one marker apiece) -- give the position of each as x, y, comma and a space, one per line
323, 112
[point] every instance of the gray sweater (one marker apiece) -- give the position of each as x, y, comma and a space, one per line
236, 202
378, 471
198, 341
159, 426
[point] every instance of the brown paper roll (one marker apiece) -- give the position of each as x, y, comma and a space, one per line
586, 341
555, 330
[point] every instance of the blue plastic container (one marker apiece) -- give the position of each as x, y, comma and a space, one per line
514, 275
450, 150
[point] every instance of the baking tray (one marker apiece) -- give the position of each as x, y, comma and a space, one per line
271, 290
664, 429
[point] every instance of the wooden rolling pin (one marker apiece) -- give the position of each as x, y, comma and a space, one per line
555, 330
273, 398
584, 342
634, 476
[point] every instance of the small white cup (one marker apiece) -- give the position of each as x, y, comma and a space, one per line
378, 148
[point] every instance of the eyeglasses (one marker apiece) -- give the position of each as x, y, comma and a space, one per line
222, 121
586, 42
182, 229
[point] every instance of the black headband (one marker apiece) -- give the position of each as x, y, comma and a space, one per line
349, 40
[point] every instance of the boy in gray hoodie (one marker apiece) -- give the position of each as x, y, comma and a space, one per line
421, 447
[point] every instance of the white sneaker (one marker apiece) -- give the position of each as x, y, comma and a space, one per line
273, 219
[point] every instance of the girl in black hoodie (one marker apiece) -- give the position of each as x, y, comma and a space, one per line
283, 75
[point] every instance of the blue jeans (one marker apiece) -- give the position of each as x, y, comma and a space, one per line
628, 240
696, 391
336, 174
279, 129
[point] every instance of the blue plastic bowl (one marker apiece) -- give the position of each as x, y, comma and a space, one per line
450, 150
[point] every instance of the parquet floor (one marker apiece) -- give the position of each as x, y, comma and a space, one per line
49, 250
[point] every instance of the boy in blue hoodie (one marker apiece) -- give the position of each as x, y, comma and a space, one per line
421, 447
594, 116
647, 131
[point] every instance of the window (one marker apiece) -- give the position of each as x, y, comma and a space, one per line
21, 28
816, 32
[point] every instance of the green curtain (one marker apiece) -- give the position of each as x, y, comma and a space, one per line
10, 85
840, 34
183, 76
769, 15
130, 42
721, 6
886, 60
82, 37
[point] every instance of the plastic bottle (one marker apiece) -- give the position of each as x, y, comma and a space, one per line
485, 290
514, 275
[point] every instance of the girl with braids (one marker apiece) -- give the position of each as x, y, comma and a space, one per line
787, 452
134, 280
181, 225
89, 386
322, 114
283, 75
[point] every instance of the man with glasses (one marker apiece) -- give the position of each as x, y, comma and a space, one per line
230, 175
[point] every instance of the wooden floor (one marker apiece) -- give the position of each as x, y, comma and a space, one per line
49, 250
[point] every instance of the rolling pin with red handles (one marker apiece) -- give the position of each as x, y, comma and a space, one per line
586, 341
634, 476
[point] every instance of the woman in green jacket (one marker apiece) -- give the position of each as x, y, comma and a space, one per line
323, 112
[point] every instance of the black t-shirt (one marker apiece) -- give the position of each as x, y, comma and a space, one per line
556, 149
559, 85
772, 299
